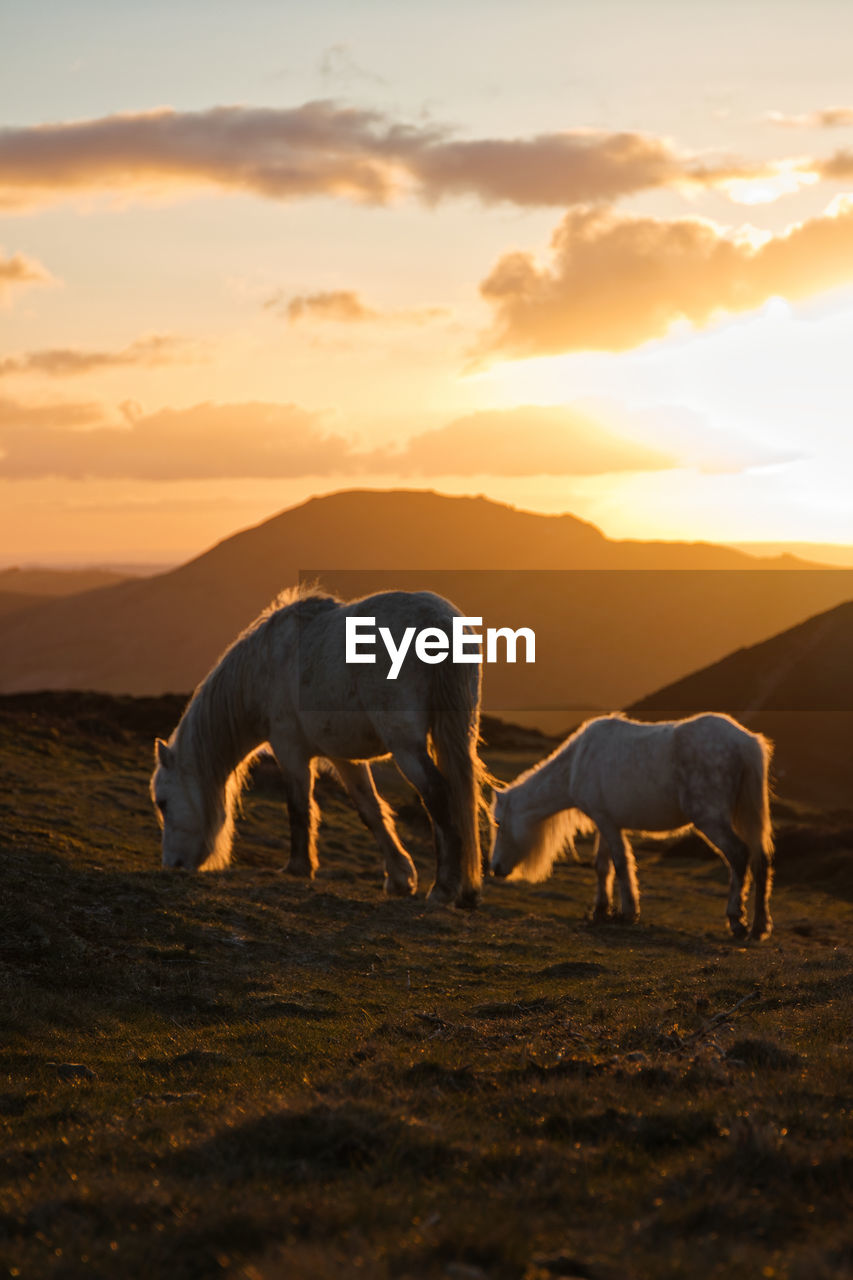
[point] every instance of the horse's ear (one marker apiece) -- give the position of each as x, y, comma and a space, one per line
163, 752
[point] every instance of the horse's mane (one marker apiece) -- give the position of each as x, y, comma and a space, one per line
567, 749
545, 840
224, 721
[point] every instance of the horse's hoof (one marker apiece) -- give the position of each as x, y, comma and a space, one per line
468, 899
601, 915
400, 888
761, 930
440, 896
300, 870
626, 917
739, 930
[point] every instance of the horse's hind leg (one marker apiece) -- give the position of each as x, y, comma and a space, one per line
604, 884
401, 878
416, 765
618, 848
722, 836
762, 870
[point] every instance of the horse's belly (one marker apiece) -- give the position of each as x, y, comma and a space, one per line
334, 738
639, 811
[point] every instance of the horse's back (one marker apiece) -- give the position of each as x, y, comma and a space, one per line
627, 771
353, 709
712, 752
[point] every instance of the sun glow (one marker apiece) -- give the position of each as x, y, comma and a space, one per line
784, 179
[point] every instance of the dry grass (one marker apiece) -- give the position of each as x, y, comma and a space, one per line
240, 1075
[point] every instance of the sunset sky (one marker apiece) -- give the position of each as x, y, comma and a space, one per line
586, 257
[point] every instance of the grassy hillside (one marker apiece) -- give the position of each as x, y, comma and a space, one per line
239, 1075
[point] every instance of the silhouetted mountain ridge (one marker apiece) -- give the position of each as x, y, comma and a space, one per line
606, 636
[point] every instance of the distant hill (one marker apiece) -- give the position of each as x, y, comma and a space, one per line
56, 582
621, 618
797, 687
825, 553
12, 601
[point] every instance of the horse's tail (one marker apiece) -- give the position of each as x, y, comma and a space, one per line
752, 804
455, 732
751, 820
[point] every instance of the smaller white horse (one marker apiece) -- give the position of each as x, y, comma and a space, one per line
707, 772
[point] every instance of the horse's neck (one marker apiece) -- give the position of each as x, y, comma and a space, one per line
222, 729
548, 790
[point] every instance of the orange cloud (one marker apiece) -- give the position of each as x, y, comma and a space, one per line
344, 306
615, 281
211, 441
321, 148
205, 442
16, 417
836, 168
63, 362
74, 441
19, 270
340, 305
525, 441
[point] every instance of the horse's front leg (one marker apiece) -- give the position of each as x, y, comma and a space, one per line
619, 849
604, 881
302, 810
401, 878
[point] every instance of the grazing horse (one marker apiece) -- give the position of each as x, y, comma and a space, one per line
285, 682
618, 775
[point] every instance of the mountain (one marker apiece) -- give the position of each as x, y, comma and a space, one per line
12, 601
619, 617
56, 582
796, 687
826, 553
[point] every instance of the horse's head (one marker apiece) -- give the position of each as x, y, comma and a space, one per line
176, 796
506, 852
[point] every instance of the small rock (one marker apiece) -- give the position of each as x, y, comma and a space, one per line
75, 1071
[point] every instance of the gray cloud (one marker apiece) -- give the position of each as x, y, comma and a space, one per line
324, 149
344, 306
338, 64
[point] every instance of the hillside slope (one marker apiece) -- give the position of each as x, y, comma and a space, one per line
797, 687
621, 618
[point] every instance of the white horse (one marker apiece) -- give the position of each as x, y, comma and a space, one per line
707, 772
285, 681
